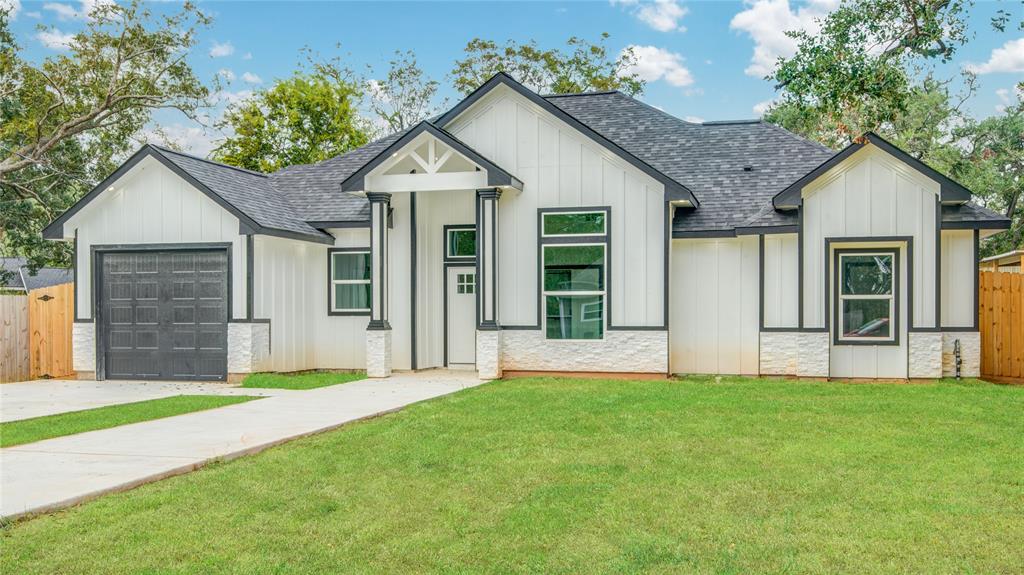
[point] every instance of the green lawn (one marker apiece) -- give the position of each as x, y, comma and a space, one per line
576, 476
300, 380
39, 428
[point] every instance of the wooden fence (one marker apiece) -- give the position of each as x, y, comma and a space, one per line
35, 333
1001, 320
14, 361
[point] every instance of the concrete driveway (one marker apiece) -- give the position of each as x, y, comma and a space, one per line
51, 396
55, 473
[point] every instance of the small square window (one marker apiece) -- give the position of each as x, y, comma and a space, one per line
461, 243
465, 283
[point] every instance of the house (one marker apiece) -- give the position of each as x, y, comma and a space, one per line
526, 233
1006, 262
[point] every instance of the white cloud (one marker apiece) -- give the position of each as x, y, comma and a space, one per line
1007, 58
220, 50
250, 78
226, 74
662, 15
55, 39
761, 107
229, 97
1006, 97
767, 21
34, 14
655, 63
66, 12
12, 7
248, 56
694, 119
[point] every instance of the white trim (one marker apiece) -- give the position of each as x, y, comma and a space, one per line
334, 282
891, 296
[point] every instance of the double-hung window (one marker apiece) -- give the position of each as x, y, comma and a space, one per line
574, 261
349, 281
866, 295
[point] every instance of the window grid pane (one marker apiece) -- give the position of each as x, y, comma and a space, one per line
580, 223
572, 268
350, 281
866, 296
462, 243
350, 266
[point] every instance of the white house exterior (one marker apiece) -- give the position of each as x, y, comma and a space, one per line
521, 233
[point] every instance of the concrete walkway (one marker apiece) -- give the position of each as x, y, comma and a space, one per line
30, 399
63, 471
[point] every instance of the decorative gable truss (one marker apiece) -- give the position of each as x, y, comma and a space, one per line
427, 158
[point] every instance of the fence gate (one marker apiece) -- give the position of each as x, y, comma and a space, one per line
50, 314
14, 362
1001, 320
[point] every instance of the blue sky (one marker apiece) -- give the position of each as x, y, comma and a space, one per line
702, 60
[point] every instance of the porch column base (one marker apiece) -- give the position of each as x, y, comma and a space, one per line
378, 353
813, 356
488, 353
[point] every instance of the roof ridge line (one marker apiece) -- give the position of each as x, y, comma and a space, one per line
212, 162
586, 93
732, 122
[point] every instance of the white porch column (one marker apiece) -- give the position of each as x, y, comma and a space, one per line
378, 331
488, 330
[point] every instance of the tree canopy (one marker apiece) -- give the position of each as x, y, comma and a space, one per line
66, 122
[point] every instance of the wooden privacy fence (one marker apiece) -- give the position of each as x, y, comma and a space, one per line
35, 333
1001, 320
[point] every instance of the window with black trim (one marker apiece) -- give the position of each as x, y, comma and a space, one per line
574, 273
866, 293
460, 243
350, 281
465, 283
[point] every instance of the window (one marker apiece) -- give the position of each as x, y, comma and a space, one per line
350, 281
465, 283
866, 298
460, 243
574, 289
556, 224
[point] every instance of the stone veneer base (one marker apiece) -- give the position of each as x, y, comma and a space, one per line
924, 356
488, 354
970, 353
619, 351
378, 353
83, 347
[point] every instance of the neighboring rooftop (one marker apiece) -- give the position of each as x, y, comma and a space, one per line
17, 276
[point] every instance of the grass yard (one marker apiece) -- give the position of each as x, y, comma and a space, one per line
583, 476
309, 380
39, 428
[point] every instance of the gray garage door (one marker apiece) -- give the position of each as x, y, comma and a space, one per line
163, 314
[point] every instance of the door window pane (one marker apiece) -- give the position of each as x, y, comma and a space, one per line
575, 316
574, 268
561, 224
866, 318
867, 274
462, 243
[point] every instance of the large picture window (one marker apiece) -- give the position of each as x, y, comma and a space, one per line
574, 272
866, 296
350, 281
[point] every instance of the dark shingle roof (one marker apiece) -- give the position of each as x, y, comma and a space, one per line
971, 213
17, 275
708, 158
733, 168
250, 192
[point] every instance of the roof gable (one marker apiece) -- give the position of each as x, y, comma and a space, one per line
496, 175
951, 192
674, 190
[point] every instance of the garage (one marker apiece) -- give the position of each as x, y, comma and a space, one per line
162, 313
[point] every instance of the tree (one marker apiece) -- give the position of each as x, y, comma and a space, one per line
855, 75
405, 95
585, 66
312, 116
64, 123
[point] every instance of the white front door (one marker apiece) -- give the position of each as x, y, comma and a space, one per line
461, 324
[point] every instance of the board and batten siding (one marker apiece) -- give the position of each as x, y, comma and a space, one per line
781, 278
870, 194
291, 291
153, 205
713, 324
561, 167
959, 274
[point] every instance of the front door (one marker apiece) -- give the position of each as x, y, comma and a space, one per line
461, 319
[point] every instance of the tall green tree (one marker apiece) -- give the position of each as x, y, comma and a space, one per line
582, 66
312, 116
405, 95
65, 122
